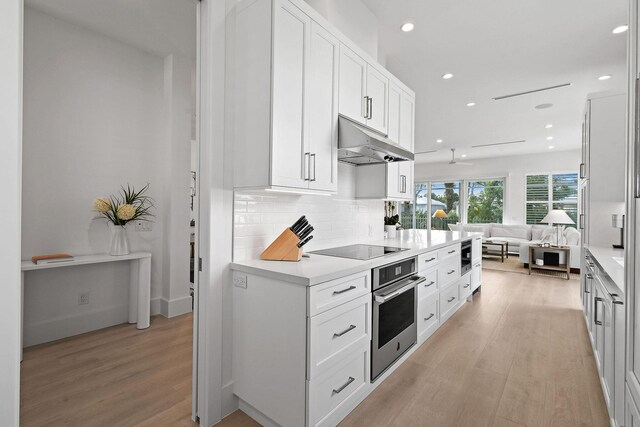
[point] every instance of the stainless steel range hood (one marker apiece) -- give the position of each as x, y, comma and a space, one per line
359, 145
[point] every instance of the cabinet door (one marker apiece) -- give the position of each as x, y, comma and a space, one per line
395, 94
476, 249
598, 326
322, 109
378, 93
394, 183
353, 72
407, 115
632, 415
583, 220
291, 50
608, 352
476, 275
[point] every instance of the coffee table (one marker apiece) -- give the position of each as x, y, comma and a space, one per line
504, 248
566, 268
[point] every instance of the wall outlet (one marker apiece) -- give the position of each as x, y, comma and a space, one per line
83, 298
142, 226
240, 280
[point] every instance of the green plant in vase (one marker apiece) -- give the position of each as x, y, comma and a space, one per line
391, 220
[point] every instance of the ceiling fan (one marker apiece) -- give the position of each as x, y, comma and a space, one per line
454, 161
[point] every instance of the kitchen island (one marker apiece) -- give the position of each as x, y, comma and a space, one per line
303, 330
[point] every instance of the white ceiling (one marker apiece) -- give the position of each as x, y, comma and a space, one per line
495, 48
160, 27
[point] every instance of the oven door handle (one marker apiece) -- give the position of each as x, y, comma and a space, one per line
391, 295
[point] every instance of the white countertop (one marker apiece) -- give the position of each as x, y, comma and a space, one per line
604, 257
320, 268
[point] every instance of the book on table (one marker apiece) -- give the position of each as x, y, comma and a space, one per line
51, 258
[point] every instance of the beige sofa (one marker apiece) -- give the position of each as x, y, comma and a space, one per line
520, 237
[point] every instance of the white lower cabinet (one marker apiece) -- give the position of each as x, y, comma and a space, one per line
464, 286
632, 414
449, 301
428, 317
476, 275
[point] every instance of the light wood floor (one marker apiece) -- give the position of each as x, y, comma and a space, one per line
519, 355
118, 376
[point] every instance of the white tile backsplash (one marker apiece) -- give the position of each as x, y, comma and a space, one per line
261, 216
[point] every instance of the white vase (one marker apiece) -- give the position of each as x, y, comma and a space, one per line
391, 231
119, 240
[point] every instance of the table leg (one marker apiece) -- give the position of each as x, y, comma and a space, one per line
501, 253
133, 291
507, 252
144, 293
530, 259
21, 313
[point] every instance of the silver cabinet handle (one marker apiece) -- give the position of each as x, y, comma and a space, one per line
370, 103
452, 251
466, 286
429, 284
451, 272
349, 329
430, 316
616, 300
581, 222
314, 165
583, 171
366, 107
344, 290
349, 381
405, 183
451, 299
307, 166
429, 260
477, 265
636, 148
595, 310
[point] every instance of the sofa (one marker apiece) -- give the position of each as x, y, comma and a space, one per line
520, 237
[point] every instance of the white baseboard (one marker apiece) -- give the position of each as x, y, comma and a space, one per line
258, 416
229, 400
66, 326
155, 306
175, 307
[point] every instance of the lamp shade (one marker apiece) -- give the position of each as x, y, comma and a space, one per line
557, 216
439, 214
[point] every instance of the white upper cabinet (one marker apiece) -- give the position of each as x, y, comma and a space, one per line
286, 99
364, 91
322, 105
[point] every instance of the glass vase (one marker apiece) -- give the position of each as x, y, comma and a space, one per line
119, 240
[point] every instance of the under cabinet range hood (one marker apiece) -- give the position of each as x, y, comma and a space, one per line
359, 145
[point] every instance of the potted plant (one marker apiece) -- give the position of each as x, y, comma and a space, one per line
390, 219
129, 205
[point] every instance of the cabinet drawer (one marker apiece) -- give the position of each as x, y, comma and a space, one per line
331, 294
427, 314
449, 251
334, 394
465, 286
449, 300
428, 260
429, 286
334, 334
448, 271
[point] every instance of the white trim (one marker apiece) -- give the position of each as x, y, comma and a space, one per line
174, 307
11, 37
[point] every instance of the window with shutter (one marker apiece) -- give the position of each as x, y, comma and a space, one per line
551, 191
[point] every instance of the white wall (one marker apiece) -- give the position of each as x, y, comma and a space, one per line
338, 220
514, 168
98, 114
10, 176
354, 20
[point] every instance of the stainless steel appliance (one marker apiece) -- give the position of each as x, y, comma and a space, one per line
394, 323
360, 252
466, 256
359, 145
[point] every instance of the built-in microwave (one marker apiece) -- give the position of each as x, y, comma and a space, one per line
466, 256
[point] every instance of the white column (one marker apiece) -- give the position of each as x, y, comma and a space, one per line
133, 291
144, 292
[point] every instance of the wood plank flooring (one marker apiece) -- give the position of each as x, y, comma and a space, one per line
118, 376
519, 355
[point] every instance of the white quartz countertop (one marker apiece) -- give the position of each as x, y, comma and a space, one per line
320, 268
605, 258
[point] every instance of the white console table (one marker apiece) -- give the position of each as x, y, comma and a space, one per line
139, 282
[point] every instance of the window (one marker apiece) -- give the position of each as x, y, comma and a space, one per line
485, 201
445, 196
551, 191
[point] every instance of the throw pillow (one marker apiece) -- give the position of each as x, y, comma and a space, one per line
572, 236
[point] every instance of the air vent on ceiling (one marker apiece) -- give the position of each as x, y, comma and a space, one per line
498, 143
498, 98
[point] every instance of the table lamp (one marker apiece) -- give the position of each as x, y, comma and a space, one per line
557, 217
440, 214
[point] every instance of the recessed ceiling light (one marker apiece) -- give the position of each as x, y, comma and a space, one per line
620, 29
439, 141
464, 155
447, 76
549, 138
471, 104
605, 77
543, 106
551, 147
406, 27
549, 126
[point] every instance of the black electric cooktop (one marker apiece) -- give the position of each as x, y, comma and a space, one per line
361, 252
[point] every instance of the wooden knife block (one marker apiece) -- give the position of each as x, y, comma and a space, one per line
284, 248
